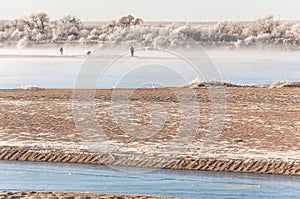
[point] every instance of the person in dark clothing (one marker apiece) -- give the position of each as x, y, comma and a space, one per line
132, 51
61, 51
89, 53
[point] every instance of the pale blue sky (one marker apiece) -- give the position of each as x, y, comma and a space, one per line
154, 10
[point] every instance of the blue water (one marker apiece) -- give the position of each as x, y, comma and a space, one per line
237, 67
22, 176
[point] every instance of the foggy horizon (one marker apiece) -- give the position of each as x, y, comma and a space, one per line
190, 10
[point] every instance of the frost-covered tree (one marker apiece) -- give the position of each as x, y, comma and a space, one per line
16, 35
126, 21
138, 21
83, 33
94, 35
263, 25
40, 20
65, 27
38, 29
26, 21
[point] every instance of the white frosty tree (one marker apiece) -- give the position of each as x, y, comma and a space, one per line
40, 20
128, 30
65, 27
129, 20
263, 25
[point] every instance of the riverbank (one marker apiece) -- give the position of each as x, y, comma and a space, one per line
56, 195
260, 132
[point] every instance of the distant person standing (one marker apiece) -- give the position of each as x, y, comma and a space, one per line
132, 51
61, 51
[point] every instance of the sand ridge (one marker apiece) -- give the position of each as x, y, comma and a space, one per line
56, 195
201, 164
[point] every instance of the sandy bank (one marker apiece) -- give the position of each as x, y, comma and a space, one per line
55, 195
260, 132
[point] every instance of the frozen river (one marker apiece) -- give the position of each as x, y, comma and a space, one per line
47, 70
22, 176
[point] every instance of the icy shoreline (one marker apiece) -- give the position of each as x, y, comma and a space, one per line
275, 84
193, 84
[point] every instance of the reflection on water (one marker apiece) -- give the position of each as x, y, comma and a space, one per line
20, 176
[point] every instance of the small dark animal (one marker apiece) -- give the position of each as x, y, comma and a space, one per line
89, 53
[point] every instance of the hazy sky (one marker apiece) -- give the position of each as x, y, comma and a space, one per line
149, 10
